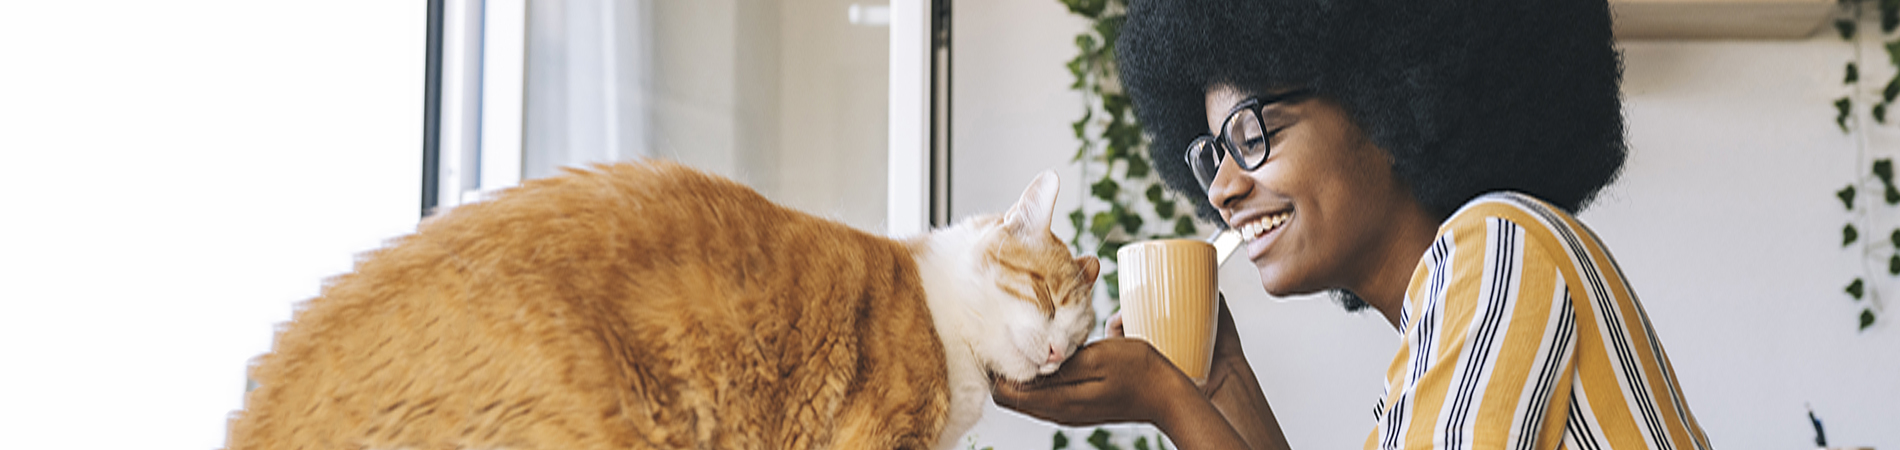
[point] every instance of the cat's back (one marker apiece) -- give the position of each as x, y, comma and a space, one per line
622, 306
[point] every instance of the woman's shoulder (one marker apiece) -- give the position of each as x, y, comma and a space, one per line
1542, 227
1534, 216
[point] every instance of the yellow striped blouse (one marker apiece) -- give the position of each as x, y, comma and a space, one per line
1521, 333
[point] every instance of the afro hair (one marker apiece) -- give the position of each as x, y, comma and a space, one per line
1468, 96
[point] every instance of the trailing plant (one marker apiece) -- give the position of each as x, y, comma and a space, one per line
1126, 201
1872, 173
1099, 440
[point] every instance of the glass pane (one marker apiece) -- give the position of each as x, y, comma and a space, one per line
788, 97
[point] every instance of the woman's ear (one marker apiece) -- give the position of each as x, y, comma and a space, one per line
1033, 212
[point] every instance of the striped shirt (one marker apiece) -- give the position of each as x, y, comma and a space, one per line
1520, 332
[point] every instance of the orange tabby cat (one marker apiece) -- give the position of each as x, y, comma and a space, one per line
648, 305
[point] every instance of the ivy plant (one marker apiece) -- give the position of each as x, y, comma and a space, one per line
1876, 173
1126, 201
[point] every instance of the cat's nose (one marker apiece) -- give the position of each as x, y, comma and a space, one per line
1055, 354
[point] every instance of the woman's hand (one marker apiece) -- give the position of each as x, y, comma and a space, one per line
1118, 379
1228, 355
1111, 380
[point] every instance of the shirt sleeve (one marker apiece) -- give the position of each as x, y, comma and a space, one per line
1488, 345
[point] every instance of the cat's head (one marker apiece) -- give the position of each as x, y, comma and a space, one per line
1033, 294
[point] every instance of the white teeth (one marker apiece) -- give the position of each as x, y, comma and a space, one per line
1255, 229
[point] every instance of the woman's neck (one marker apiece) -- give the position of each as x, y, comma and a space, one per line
1384, 284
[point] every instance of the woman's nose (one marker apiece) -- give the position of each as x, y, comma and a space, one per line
1226, 187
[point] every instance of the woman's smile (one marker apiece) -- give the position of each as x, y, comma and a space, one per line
1260, 231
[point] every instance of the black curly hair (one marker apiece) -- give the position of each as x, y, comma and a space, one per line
1468, 96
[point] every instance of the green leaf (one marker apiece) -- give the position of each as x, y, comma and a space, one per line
1105, 189
1086, 8
1077, 219
1883, 168
1892, 90
1849, 235
1843, 106
1847, 196
1122, 137
1110, 27
1108, 249
1141, 443
1112, 281
1893, 265
1846, 27
1101, 224
1895, 238
1086, 43
1131, 222
1880, 113
1856, 288
1137, 167
1077, 67
1081, 151
1866, 318
1128, 134
1099, 439
1061, 440
1893, 48
1164, 209
1184, 226
1889, 15
1154, 194
1853, 73
1893, 196
1115, 104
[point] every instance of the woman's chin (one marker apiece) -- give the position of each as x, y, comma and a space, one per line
1278, 285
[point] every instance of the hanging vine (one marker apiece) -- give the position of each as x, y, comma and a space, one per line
1126, 202
1872, 172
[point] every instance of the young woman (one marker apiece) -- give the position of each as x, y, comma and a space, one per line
1421, 158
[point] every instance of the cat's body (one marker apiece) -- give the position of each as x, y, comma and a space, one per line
651, 306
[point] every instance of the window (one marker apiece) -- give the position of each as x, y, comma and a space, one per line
792, 98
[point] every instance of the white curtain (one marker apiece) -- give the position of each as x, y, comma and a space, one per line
588, 78
786, 96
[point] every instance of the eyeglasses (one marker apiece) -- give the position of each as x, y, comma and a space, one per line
1243, 136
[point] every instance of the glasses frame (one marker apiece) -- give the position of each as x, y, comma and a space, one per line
1256, 105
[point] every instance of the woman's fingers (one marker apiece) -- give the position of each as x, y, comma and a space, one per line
1114, 326
1106, 381
1226, 336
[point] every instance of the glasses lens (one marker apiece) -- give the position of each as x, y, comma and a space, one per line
1247, 136
1204, 159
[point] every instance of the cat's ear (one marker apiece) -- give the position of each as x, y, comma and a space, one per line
1033, 211
1090, 267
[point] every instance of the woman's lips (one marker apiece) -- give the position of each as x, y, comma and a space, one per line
1259, 233
1260, 227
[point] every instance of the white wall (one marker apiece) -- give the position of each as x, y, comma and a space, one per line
1724, 221
173, 175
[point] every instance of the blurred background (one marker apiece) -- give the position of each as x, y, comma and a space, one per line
176, 176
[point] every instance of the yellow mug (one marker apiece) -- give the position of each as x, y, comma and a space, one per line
1170, 298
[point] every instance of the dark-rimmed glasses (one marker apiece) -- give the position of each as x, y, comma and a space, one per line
1243, 136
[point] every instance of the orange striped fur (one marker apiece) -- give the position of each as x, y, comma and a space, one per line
648, 305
